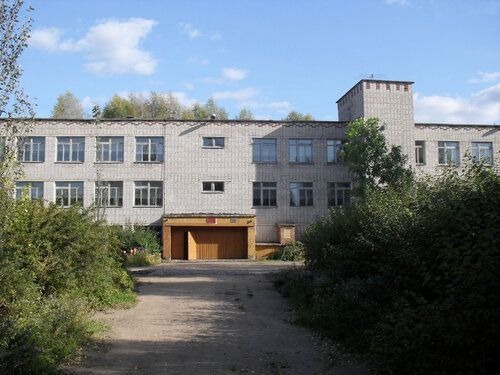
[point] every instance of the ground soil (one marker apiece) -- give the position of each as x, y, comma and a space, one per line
208, 318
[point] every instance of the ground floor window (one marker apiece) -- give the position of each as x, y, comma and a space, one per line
301, 194
448, 152
482, 152
33, 190
339, 194
109, 193
148, 193
69, 193
264, 194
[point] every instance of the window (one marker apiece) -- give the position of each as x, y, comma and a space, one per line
109, 149
69, 193
31, 149
301, 194
213, 142
148, 193
448, 152
213, 186
264, 194
109, 193
339, 194
420, 152
264, 150
71, 149
335, 150
149, 149
33, 190
482, 152
301, 151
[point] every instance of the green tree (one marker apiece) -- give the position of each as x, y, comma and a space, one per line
118, 107
245, 114
297, 116
68, 106
213, 109
372, 164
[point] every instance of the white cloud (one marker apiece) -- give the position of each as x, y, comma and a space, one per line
89, 102
113, 46
194, 33
486, 77
242, 94
482, 108
234, 74
183, 98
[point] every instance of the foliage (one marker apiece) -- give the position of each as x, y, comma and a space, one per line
297, 116
57, 265
68, 106
138, 236
370, 161
161, 106
409, 277
294, 251
142, 258
245, 114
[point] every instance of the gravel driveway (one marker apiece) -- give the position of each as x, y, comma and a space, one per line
212, 317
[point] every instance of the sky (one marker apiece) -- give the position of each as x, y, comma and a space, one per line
269, 56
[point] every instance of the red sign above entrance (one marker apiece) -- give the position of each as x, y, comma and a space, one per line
211, 220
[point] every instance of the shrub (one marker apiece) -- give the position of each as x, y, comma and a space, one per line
142, 259
138, 237
294, 251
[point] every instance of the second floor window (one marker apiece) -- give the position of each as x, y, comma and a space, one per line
213, 142
148, 193
69, 193
264, 150
335, 150
482, 152
264, 194
109, 193
32, 149
301, 194
149, 149
109, 149
71, 149
301, 150
33, 190
449, 152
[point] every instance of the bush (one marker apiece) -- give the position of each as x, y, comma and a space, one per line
142, 259
294, 251
138, 237
55, 266
409, 277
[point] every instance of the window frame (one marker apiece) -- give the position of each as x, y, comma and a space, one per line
419, 151
156, 186
333, 189
336, 145
213, 186
259, 186
213, 142
476, 147
113, 191
28, 143
78, 142
263, 144
108, 148
443, 150
70, 188
31, 185
151, 143
298, 144
302, 187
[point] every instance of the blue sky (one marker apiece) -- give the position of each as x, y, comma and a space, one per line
269, 56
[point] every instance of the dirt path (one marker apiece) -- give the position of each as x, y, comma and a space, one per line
208, 318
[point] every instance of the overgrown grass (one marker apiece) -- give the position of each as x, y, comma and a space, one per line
409, 278
142, 259
57, 265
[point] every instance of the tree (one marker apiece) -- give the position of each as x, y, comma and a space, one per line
68, 106
118, 107
370, 161
297, 116
245, 114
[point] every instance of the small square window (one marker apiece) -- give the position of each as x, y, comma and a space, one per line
213, 186
213, 142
